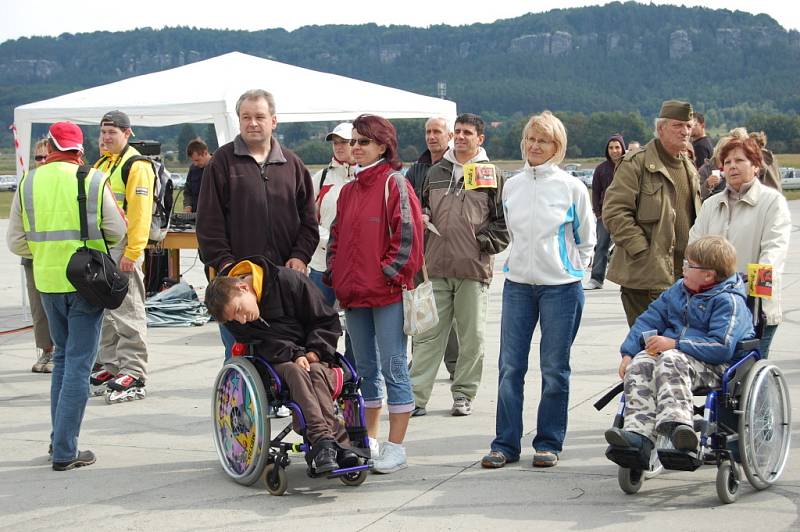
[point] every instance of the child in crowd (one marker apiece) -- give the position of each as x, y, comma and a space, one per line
297, 333
696, 324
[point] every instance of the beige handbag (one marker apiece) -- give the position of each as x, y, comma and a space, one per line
419, 305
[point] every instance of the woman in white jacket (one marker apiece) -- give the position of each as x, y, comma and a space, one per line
754, 218
549, 217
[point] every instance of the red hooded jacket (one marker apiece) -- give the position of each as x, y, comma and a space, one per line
367, 267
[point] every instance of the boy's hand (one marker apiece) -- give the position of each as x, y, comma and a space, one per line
659, 344
626, 360
303, 363
312, 357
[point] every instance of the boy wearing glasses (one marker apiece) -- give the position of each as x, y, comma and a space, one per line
697, 323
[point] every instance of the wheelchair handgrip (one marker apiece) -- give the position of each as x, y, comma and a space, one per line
615, 391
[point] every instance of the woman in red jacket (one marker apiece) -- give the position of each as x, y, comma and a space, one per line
374, 250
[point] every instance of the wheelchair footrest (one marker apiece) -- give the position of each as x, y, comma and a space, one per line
628, 457
679, 460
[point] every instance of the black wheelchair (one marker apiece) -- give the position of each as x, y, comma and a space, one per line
744, 425
244, 391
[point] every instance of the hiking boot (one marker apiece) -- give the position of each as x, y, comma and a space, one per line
325, 460
628, 449
348, 458
684, 438
44, 362
84, 458
461, 407
418, 411
544, 458
494, 460
391, 459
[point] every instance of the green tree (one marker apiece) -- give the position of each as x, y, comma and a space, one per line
186, 135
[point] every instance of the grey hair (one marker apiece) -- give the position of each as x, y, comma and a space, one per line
448, 127
658, 123
255, 94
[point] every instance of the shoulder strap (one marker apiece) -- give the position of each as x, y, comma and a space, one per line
126, 168
322, 179
83, 171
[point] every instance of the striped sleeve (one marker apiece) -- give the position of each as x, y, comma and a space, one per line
401, 223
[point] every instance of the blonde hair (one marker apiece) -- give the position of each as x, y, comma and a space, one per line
738, 133
715, 253
548, 124
41, 144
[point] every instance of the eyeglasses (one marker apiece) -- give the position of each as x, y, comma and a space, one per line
40, 158
687, 266
540, 142
360, 142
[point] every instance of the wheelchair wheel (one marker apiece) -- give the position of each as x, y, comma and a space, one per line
355, 478
727, 483
241, 424
630, 480
277, 486
764, 425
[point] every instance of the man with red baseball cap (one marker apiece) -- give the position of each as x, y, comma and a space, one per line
44, 224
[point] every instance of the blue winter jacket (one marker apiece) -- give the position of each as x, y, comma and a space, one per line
706, 326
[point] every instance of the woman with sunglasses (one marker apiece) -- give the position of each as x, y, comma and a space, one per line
41, 329
374, 249
753, 217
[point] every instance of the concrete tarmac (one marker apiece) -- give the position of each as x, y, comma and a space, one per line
157, 468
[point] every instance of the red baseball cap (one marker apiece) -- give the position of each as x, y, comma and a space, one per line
66, 136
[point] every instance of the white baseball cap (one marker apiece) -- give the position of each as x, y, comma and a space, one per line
344, 130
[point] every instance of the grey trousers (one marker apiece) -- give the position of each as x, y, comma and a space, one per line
41, 329
123, 339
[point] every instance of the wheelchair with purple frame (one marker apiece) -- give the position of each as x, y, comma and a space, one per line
244, 390
745, 424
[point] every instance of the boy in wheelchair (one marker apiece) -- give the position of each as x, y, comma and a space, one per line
693, 329
296, 332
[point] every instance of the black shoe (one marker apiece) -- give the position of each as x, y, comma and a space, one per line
418, 411
628, 449
84, 458
684, 438
347, 458
325, 460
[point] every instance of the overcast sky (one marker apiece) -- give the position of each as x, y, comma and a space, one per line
21, 18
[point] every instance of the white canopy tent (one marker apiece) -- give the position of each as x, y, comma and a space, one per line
206, 92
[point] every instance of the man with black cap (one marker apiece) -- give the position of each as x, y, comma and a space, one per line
45, 225
122, 359
648, 209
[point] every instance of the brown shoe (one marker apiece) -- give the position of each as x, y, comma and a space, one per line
494, 460
544, 459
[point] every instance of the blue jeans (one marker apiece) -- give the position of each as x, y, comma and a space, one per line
766, 339
559, 309
384, 324
75, 329
330, 299
601, 253
227, 340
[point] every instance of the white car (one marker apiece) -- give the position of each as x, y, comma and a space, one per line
8, 183
790, 178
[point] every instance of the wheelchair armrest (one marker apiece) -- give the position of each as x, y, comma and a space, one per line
748, 345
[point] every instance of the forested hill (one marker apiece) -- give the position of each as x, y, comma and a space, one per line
618, 57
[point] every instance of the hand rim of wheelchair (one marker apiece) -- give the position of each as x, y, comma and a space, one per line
257, 457
763, 455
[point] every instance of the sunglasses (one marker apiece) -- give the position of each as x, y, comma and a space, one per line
360, 142
40, 158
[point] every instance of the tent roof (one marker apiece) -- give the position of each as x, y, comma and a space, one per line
196, 92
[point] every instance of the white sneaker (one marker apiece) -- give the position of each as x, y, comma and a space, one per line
374, 448
391, 459
592, 284
280, 412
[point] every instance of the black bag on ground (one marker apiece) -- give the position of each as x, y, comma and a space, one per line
94, 274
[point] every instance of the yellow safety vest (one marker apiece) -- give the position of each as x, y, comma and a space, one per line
112, 167
49, 200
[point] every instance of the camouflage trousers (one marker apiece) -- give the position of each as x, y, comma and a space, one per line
659, 389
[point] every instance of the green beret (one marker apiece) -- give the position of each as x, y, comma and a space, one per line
676, 110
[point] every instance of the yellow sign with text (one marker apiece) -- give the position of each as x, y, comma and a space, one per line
759, 280
479, 175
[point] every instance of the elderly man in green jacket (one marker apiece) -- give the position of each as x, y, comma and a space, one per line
649, 208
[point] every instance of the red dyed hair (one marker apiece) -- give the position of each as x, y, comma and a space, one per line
383, 132
750, 148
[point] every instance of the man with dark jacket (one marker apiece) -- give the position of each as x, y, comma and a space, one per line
603, 174
701, 144
256, 198
462, 197
648, 210
197, 151
297, 332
